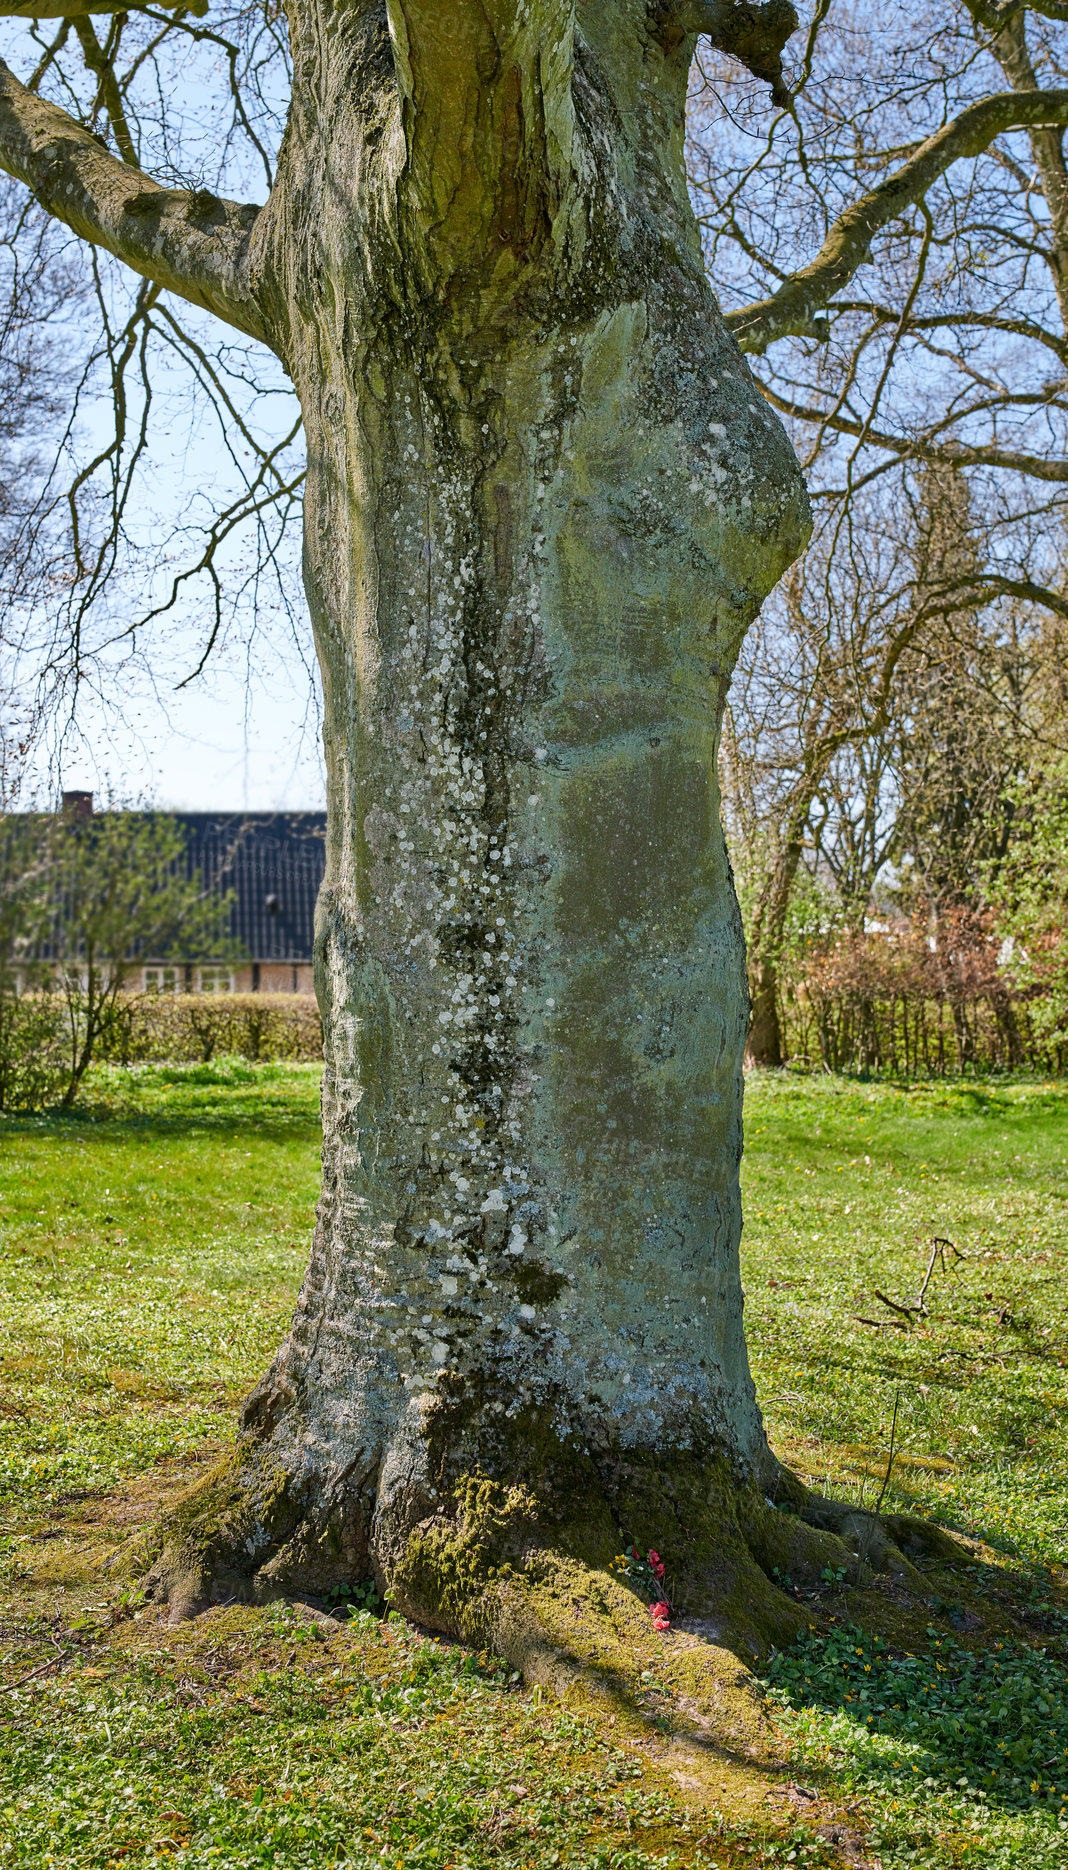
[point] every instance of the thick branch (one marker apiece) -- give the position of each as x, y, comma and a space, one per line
77, 9
184, 239
753, 34
997, 14
1010, 50
791, 311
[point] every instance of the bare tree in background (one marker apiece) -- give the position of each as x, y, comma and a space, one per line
926, 332
812, 702
883, 714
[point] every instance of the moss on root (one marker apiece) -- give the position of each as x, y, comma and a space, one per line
519, 1561
214, 1544
530, 1578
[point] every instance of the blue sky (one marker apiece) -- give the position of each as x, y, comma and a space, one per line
245, 732
236, 741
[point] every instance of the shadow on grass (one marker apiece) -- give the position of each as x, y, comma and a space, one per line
107, 1125
988, 1722
220, 1097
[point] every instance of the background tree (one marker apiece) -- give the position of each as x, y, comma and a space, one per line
543, 502
1029, 886
120, 893
83, 902
816, 717
808, 715
886, 712
31, 1053
927, 336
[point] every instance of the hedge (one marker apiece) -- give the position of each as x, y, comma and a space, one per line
184, 1026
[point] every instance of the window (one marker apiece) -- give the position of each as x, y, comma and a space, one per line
216, 980
162, 979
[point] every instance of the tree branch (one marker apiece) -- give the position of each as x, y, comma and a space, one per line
186, 240
77, 9
989, 584
108, 92
791, 311
753, 34
963, 321
952, 454
997, 14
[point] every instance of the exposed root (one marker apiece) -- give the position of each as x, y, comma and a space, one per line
242, 1535
525, 1571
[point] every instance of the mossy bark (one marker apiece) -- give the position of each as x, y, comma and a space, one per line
525, 1565
544, 501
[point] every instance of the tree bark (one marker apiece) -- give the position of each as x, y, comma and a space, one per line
765, 1046
544, 500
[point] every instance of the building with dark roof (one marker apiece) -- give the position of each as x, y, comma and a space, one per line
271, 865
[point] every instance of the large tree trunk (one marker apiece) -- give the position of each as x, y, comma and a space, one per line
530, 958
545, 499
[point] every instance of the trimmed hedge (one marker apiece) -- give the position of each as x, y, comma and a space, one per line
35, 1051
199, 1026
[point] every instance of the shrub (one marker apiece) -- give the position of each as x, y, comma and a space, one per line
921, 998
34, 1051
198, 1027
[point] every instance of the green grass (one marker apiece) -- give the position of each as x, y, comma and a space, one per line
150, 1249
271, 1740
845, 1185
148, 1268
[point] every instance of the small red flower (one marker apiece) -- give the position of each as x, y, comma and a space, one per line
656, 1565
661, 1615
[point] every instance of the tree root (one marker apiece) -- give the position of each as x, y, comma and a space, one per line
526, 1570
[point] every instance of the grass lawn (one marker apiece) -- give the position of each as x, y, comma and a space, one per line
149, 1252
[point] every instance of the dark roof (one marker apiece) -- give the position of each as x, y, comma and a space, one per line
273, 862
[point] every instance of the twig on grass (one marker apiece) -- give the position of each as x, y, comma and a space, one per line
906, 1311
52, 1663
938, 1252
890, 1461
917, 1308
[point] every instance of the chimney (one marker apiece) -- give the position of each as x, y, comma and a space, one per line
78, 806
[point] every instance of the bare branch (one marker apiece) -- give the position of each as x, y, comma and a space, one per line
108, 92
989, 584
914, 448
186, 240
791, 311
957, 320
